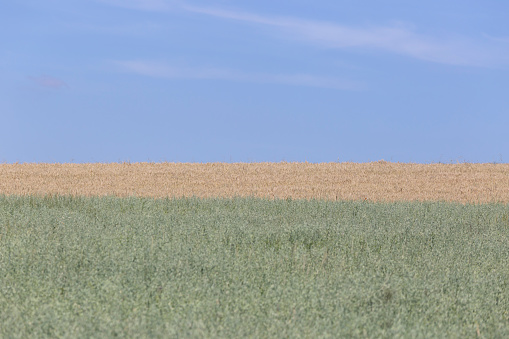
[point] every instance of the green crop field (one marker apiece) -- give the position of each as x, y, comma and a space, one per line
232, 268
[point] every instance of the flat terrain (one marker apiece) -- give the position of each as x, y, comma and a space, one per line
78, 261
376, 181
75, 267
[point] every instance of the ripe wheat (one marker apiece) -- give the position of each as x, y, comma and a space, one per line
375, 181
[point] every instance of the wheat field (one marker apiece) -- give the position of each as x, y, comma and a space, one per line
77, 260
375, 181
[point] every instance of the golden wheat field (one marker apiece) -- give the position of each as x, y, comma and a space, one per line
375, 181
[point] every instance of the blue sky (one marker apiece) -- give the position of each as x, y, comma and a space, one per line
243, 81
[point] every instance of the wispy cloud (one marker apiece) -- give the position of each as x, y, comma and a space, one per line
164, 70
397, 39
147, 5
497, 38
48, 82
393, 39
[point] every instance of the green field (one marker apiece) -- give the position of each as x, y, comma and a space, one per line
189, 268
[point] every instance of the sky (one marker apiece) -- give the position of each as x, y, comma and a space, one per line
254, 81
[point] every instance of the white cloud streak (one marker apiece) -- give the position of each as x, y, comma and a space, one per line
398, 40
146, 5
497, 39
164, 70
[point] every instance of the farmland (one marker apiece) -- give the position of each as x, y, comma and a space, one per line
254, 250
376, 181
